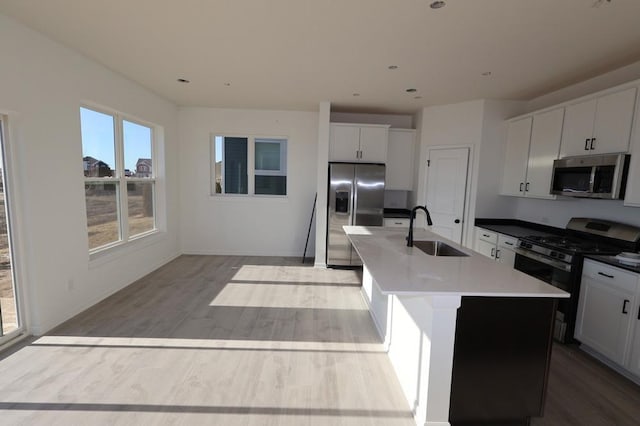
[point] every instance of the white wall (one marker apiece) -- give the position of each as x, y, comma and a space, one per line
397, 121
558, 212
246, 225
455, 125
41, 87
491, 159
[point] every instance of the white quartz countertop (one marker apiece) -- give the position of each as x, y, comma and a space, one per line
403, 270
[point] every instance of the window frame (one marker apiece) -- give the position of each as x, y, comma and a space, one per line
120, 180
252, 172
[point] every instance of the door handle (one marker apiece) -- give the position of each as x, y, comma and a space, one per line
624, 306
586, 144
592, 142
456, 221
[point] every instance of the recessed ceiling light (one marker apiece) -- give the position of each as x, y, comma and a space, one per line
356, 94
411, 90
227, 84
393, 67
183, 80
486, 73
437, 4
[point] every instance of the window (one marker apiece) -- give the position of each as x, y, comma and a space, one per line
233, 172
117, 157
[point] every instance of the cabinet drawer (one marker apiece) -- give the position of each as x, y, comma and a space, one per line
396, 222
610, 274
486, 235
507, 241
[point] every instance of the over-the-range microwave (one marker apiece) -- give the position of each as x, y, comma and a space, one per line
591, 176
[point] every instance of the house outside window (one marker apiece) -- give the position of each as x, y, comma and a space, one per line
249, 165
120, 203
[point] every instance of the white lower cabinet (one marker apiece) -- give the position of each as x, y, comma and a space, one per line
607, 313
396, 222
495, 245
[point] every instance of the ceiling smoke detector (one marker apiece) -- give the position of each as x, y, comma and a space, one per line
437, 4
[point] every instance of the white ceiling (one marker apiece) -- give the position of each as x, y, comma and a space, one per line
293, 54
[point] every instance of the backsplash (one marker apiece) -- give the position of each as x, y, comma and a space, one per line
558, 212
394, 199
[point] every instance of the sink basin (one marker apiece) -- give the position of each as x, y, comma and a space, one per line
438, 248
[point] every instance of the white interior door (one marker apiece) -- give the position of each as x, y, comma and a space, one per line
446, 190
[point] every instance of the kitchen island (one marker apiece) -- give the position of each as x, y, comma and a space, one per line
468, 338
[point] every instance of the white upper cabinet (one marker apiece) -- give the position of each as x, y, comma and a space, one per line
400, 156
515, 165
358, 143
545, 145
632, 197
600, 125
532, 145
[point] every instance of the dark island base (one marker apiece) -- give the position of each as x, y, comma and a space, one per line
501, 360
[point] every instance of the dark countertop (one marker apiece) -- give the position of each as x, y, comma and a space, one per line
517, 228
611, 260
397, 213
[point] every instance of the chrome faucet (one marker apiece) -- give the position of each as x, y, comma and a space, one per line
411, 217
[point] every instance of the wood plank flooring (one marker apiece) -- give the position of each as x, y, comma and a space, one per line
223, 340
212, 340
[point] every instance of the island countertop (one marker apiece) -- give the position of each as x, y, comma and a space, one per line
402, 270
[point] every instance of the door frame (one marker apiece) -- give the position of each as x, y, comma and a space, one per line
15, 225
468, 221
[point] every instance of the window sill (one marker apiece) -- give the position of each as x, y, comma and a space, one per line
118, 250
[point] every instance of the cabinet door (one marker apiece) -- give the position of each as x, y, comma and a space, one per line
505, 253
602, 322
578, 128
486, 248
632, 197
515, 164
634, 360
344, 143
545, 146
373, 144
612, 128
400, 156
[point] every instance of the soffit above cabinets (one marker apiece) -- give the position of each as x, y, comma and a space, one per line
359, 55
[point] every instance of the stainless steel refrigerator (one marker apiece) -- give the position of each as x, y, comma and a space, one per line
356, 197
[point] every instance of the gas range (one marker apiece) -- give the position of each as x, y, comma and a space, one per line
557, 260
565, 248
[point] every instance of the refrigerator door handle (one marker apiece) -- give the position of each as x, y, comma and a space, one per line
354, 198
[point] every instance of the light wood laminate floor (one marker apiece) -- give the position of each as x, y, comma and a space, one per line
212, 340
222, 340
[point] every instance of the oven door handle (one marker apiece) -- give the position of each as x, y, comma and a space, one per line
543, 259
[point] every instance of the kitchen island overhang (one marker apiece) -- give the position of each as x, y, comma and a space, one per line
440, 320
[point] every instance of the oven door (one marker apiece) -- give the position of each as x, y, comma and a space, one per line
558, 274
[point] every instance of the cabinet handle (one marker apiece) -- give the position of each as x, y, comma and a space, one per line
497, 254
456, 221
624, 306
605, 275
521, 184
586, 144
508, 243
592, 142
493, 252
485, 235
639, 313
526, 187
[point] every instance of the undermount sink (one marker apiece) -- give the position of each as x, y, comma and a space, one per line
438, 248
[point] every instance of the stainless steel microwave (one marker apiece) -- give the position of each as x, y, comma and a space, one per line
591, 176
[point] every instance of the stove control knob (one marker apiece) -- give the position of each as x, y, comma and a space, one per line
561, 256
553, 254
